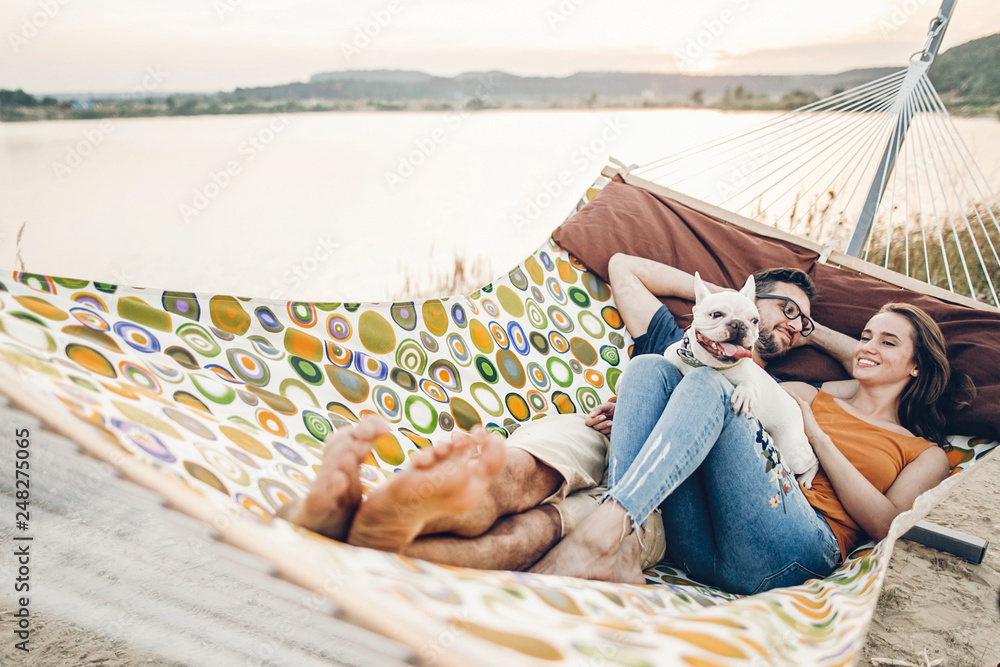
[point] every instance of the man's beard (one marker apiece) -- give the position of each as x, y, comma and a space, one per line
768, 347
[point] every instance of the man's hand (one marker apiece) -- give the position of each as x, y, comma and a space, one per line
600, 417
839, 346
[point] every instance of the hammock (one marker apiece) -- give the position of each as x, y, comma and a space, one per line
220, 404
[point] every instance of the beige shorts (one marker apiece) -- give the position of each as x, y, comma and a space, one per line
580, 455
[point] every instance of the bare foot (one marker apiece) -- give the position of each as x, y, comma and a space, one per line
598, 549
336, 493
522, 485
447, 478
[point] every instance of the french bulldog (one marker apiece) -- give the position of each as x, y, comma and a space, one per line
721, 336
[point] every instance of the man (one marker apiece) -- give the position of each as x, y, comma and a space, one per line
473, 502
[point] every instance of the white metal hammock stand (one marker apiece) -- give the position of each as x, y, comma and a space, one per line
921, 208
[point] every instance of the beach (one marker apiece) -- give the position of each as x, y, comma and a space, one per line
938, 605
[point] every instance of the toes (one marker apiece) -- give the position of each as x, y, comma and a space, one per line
368, 430
356, 439
492, 455
348, 457
459, 442
446, 449
424, 458
327, 490
479, 437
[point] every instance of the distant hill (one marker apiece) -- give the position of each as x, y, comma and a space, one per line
970, 70
967, 76
400, 85
380, 76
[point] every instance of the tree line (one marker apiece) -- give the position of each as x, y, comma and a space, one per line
19, 98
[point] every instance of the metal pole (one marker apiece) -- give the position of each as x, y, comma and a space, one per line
917, 69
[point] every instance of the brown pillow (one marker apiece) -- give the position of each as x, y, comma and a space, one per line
630, 220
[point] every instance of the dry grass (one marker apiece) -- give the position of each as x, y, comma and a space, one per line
934, 249
951, 247
464, 276
18, 260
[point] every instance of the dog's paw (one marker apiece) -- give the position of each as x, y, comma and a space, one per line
745, 398
806, 478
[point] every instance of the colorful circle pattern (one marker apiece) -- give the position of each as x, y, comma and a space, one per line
533, 342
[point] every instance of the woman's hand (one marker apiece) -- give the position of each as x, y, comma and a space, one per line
813, 432
600, 417
870, 508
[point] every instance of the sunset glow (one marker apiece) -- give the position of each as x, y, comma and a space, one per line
209, 45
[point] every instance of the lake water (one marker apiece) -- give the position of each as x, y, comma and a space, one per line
331, 206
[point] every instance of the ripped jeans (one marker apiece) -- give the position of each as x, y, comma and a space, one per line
734, 516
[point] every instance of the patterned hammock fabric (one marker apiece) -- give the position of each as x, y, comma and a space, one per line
234, 396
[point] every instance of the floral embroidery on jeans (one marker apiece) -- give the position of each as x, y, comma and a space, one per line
780, 476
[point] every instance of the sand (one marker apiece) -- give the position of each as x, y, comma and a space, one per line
940, 605
55, 643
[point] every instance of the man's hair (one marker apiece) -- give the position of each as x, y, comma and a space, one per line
766, 280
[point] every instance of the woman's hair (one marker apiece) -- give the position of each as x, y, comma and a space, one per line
936, 390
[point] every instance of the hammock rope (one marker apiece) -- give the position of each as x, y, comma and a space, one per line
886, 151
834, 142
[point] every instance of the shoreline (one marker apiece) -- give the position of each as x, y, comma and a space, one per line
32, 115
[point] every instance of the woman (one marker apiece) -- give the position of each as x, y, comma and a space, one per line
734, 517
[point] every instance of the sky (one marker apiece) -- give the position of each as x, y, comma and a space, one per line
103, 46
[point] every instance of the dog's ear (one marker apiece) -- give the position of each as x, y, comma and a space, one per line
750, 289
700, 290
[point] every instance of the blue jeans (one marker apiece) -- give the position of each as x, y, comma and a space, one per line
734, 515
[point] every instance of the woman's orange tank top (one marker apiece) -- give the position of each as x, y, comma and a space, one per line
877, 453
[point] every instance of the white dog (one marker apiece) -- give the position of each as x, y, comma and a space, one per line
722, 335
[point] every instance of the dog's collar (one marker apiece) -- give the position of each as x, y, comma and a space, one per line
687, 356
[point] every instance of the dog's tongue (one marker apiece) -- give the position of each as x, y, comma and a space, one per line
734, 351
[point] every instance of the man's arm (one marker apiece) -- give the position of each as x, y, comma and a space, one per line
837, 345
637, 282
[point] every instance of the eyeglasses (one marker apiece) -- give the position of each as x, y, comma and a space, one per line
791, 310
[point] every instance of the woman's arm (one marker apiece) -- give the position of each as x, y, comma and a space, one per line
801, 391
870, 508
841, 388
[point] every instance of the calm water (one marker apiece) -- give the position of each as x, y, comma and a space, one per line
323, 206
